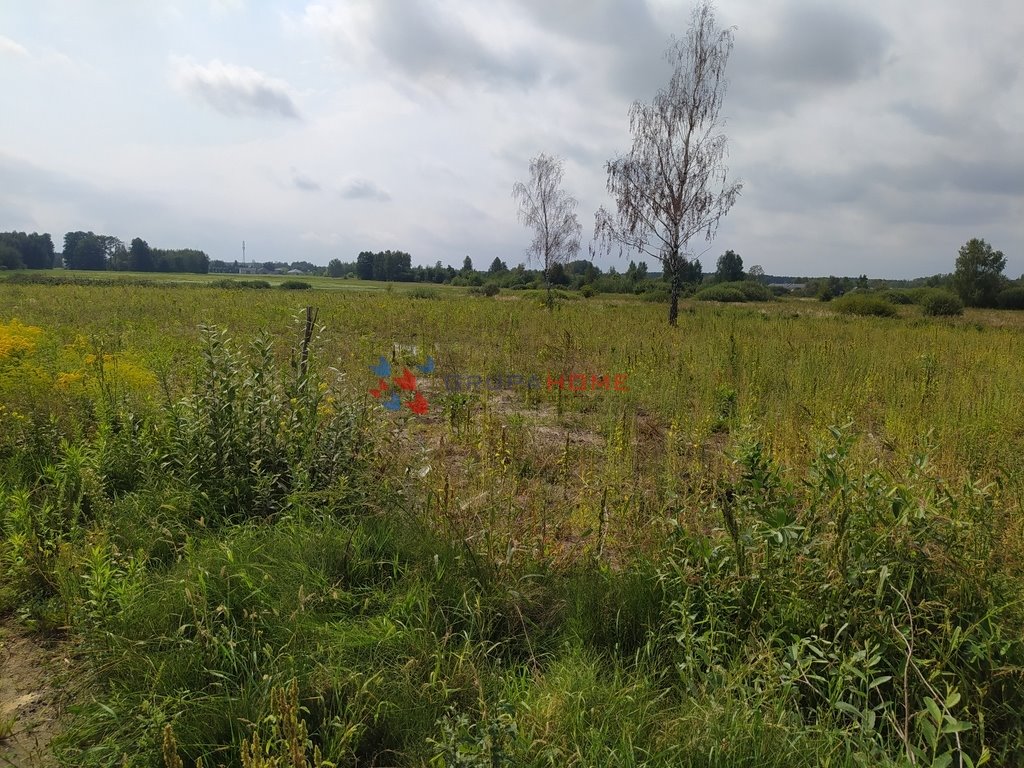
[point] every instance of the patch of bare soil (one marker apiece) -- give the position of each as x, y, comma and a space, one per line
30, 702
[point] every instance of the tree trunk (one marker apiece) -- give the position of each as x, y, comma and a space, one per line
675, 281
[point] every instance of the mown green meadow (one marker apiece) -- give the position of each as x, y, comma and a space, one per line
794, 538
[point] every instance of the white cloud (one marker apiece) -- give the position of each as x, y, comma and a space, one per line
8, 46
234, 90
227, 6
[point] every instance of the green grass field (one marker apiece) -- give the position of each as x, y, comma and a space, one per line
794, 537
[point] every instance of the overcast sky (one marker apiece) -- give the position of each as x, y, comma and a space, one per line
870, 136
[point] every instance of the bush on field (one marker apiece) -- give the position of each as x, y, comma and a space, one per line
897, 297
296, 285
489, 289
720, 293
1011, 298
423, 292
228, 283
938, 302
863, 304
743, 290
659, 294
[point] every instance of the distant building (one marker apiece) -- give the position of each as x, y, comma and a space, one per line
295, 272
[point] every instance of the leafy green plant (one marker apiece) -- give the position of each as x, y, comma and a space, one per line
250, 436
863, 304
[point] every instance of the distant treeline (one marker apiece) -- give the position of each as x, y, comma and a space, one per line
89, 251
19, 250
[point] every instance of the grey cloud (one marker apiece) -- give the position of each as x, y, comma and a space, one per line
942, 191
420, 42
995, 175
827, 46
68, 202
517, 153
364, 189
599, 21
235, 91
812, 48
304, 183
631, 39
780, 188
928, 120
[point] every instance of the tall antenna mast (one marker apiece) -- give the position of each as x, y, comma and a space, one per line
243, 253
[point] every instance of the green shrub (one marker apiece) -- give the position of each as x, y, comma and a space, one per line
897, 297
587, 291
1011, 298
938, 302
296, 285
863, 304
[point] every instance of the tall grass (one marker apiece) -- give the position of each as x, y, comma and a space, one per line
260, 566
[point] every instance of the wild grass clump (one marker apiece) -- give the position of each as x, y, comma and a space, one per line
863, 304
295, 285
